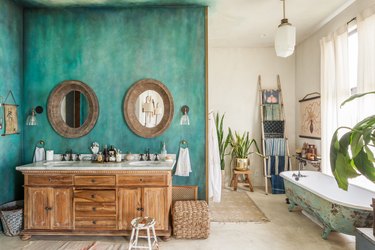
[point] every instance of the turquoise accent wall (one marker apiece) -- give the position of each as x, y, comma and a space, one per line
10, 79
110, 49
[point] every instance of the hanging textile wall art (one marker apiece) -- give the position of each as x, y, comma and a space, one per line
10, 116
310, 116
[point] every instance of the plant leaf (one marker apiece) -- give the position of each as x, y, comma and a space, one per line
343, 171
355, 97
356, 143
365, 166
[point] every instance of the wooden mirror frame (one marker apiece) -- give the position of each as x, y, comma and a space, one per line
129, 107
54, 109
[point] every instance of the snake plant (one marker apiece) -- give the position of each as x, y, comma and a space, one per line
241, 144
223, 143
352, 154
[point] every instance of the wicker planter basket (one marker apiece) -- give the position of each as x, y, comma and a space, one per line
11, 215
191, 220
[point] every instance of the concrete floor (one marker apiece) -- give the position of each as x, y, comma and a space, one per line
284, 231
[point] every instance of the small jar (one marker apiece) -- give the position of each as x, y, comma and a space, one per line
99, 158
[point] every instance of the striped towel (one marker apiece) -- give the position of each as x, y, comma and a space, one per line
277, 164
275, 146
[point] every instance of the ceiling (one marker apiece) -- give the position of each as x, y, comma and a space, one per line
235, 23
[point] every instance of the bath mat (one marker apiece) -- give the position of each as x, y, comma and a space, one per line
74, 245
236, 206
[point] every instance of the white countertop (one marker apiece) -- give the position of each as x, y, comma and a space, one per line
88, 165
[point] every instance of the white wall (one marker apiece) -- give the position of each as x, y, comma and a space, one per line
308, 60
233, 90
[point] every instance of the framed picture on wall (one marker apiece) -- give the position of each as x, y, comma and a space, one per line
310, 116
10, 116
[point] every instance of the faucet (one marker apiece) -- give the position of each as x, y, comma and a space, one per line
299, 175
70, 153
148, 155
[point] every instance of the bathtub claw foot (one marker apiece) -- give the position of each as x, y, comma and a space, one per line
291, 206
326, 232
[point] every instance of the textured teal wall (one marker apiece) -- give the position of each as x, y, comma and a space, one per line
110, 49
10, 79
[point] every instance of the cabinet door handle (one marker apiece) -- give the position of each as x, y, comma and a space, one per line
140, 180
142, 209
48, 208
94, 222
93, 196
93, 180
138, 209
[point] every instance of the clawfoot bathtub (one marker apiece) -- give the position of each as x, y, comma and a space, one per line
319, 195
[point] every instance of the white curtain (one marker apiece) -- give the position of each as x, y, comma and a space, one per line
366, 61
334, 89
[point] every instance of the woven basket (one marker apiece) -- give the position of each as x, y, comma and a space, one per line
191, 220
11, 215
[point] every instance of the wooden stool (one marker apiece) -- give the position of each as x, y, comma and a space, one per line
234, 181
140, 223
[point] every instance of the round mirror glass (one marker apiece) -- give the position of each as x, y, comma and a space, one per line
149, 108
74, 109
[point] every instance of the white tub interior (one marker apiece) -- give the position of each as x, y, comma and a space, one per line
325, 186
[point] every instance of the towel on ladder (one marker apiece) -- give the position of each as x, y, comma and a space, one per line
275, 146
183, 167
276, 165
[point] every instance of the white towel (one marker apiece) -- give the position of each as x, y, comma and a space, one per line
183, 167
214, 168
39, 154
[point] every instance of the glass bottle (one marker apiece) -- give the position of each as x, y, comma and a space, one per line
163, 152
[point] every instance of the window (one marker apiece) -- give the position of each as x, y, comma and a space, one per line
353, 56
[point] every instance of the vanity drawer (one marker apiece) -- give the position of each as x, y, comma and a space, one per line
108, 223
94, 195
49, 180
95, 209
94, 180
143, 180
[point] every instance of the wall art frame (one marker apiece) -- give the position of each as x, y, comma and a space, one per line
310, 116
10, 116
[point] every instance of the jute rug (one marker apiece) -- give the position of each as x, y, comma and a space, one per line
74, 245
236, 206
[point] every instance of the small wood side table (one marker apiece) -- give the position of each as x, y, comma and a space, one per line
234, 181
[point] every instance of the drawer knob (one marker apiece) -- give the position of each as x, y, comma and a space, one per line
93, 180
140, 179
94, 222
93, 196
94, 209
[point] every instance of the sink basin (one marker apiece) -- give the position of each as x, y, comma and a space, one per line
147, 163
57, 163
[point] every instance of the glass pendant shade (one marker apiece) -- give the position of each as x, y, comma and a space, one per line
148, 107
285, 40
31, 119
185, 119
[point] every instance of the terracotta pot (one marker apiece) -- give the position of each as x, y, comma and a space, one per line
242, 164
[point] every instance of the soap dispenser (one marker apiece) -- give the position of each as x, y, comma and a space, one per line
163, 152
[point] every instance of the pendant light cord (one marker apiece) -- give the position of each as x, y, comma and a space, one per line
283, 8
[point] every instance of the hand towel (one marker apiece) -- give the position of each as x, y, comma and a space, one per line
39, 154
183, 167
214, 168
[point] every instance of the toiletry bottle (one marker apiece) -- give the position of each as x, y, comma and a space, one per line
163, 152
105, 153
118, 155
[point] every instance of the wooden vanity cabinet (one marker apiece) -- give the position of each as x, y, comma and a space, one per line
95, 202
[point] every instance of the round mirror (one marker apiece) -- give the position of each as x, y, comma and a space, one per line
148, 108
72, 109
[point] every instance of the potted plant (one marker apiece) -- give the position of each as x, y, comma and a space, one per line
241, 148
352, 154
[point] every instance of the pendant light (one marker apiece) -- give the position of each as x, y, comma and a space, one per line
285, 38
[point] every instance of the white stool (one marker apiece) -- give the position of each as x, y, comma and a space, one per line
140, 223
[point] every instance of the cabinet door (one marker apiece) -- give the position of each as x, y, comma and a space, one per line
155, 205
38, 208
62, 204
129, 206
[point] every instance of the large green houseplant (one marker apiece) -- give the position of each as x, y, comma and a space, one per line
241, 148
352, 154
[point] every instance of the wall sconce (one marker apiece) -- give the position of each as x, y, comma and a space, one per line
31, 118
185, 118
